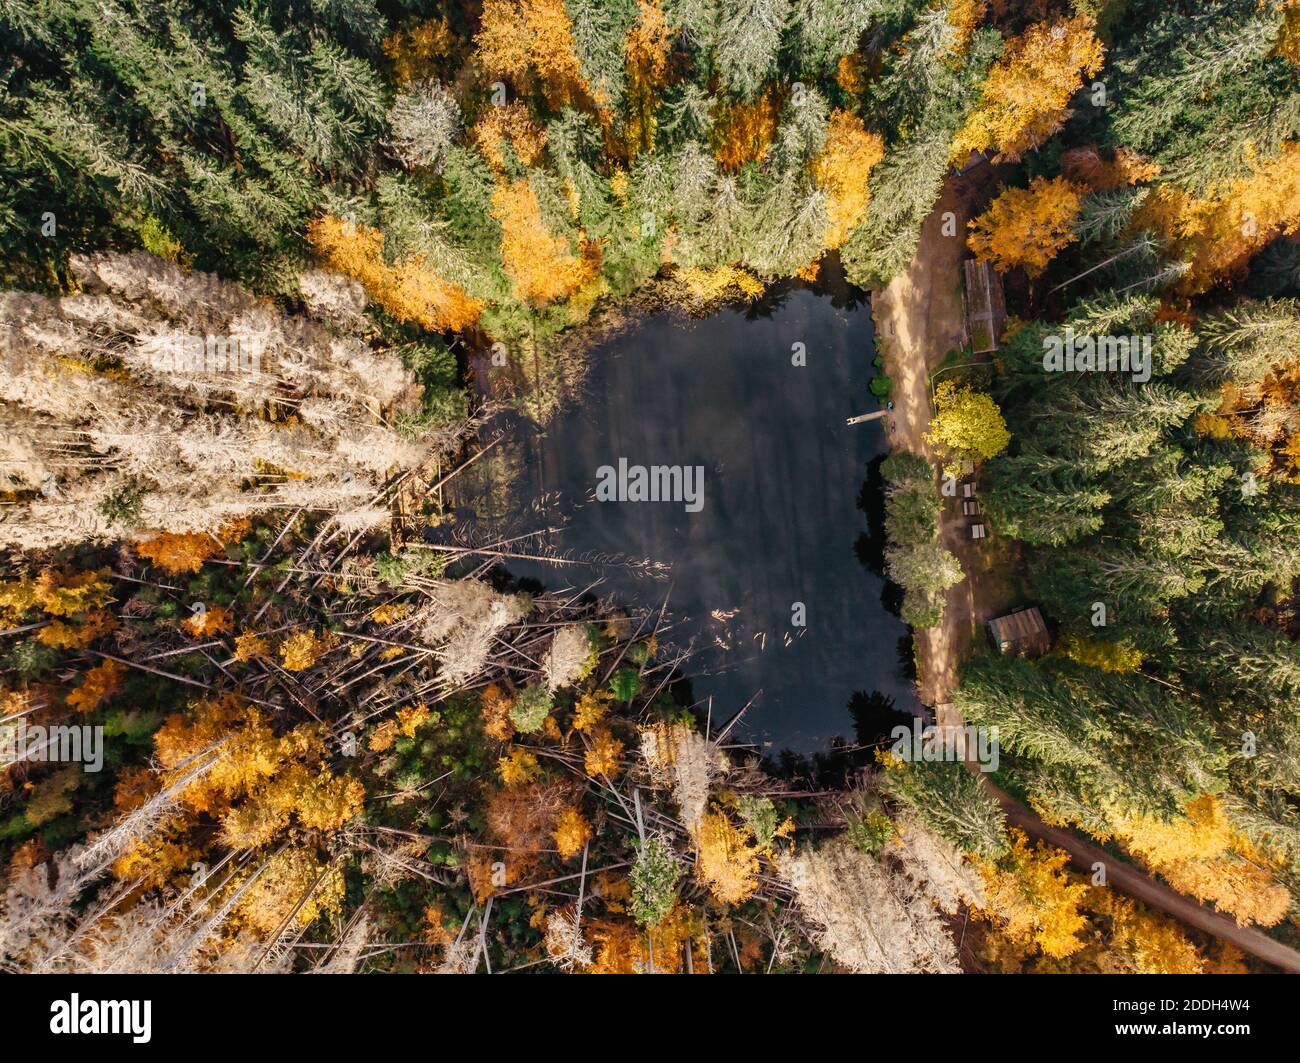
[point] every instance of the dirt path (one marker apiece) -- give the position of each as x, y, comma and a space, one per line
919, 318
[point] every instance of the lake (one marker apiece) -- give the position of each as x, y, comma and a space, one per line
770, 553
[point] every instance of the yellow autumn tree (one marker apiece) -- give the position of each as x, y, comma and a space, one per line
1288, 38
743, 132
647, 48
967, 423
249, 646
591, 709
409, 290
1117, 655
541, 265
1217, 233
414, 50
1140, 940
75, 598
841, 170
304, 648
258, 783
700, 288
604, 753
518, 767
519, 36
58, 592
572, 832
726, 862
293, 884
1199, 853
1032, 898
1024, 98
1027, 227
508, 125
404, 724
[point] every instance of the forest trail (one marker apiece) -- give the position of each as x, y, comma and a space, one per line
919, 317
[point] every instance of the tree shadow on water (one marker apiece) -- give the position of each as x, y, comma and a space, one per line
874, 717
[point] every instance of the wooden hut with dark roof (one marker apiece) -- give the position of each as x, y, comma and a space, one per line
1023, 633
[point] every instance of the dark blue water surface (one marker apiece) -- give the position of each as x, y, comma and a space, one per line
787, 516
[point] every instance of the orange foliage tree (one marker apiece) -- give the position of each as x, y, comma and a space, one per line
521, 820
1087, 166
621, 947
495, 705
1025, 95
541, 265
508, 125
1218, 233
408, 290
964, 16
97, 686
743, 132
203, 623
517, 36
842, 169
178, 552
1027, 227
647, 48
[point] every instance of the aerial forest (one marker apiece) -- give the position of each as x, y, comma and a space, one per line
268, 273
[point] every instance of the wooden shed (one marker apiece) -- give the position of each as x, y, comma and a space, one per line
986, 309
1022, 633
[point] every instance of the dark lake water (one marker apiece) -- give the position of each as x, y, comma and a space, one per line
785, 531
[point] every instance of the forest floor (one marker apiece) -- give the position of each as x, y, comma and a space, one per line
919, 318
